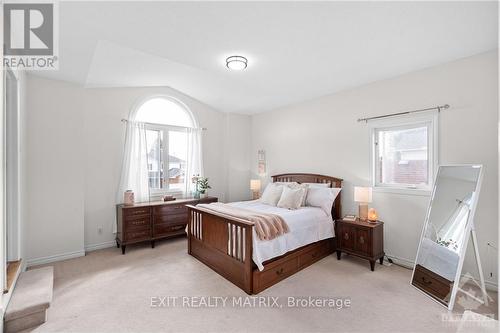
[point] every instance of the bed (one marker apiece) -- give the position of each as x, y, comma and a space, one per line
228, 245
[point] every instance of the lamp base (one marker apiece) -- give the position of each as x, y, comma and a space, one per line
255, 195
363, 211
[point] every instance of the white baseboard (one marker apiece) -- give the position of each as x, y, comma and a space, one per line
490, 285
99, 246
57, 257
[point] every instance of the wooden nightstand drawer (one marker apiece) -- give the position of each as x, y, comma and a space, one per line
347, 235
362, 242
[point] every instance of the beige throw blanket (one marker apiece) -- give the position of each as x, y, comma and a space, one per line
267, 226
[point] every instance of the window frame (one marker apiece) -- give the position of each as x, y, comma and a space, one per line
163, 128
431, 120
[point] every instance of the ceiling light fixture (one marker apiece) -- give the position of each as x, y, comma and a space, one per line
236, 63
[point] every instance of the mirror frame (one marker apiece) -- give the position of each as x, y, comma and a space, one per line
468, 228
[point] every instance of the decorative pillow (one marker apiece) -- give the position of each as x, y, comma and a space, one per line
305, 187
291, 198
322, 197
272, 194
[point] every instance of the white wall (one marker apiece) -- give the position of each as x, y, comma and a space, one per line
323, 136
77, 134
53, 201
238, 157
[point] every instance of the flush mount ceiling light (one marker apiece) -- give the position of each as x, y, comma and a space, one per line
236, 63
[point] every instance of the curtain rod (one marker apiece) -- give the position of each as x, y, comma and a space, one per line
438, 108
152, 124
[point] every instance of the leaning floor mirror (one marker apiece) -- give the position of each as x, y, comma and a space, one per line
448, 225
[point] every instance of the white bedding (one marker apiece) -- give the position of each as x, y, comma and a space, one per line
438, 259
307, 225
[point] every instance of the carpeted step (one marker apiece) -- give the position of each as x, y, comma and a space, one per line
30, 299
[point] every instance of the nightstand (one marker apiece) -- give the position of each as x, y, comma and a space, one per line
361, 239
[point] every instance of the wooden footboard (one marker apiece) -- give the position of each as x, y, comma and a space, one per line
223, 243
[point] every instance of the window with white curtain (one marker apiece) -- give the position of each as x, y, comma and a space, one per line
165, 122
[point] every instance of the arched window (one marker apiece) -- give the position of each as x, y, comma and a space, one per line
160, 110
167, 123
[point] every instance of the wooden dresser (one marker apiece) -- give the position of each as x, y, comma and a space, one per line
151, 221
362, 239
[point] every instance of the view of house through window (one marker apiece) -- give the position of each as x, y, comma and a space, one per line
402, 156
166, 141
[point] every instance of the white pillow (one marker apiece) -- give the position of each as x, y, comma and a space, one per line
322, 197
272, 194
291, 198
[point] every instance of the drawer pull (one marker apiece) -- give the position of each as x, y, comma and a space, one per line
279, 271
346, 236
178, 227
361, 240
137, 212
425, 281
138, 222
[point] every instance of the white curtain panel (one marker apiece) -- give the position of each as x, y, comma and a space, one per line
194, 157
134, 174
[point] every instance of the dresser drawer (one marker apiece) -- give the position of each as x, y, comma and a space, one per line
138, 223
171, 218
134, 212
138, 235
176, 209
431, 282
160, 230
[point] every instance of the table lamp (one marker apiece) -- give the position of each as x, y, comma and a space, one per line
255, 187
363, 195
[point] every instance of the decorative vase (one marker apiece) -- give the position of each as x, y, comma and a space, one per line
128, 198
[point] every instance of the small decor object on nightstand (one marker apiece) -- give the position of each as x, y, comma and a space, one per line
255, 187
363, 195
372, 215
350, 218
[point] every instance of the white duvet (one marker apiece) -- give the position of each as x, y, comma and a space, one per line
438, 259
307, 225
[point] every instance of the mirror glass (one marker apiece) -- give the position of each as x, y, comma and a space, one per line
445, 235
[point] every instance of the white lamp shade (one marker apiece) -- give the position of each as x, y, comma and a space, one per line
255, 184
363, 194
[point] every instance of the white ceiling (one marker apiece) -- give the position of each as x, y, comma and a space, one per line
296, 50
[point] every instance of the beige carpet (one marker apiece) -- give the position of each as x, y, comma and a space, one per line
108, 292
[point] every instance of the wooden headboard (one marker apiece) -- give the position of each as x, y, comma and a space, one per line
312, 178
